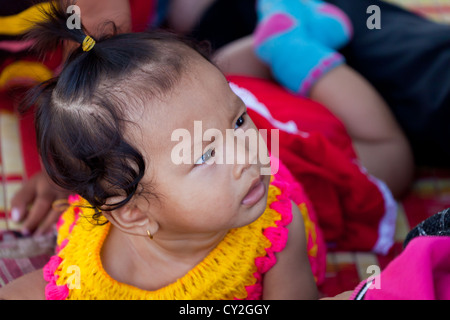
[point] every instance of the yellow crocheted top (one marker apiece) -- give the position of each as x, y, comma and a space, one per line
233, 270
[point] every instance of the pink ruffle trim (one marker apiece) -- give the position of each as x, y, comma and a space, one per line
276, 235
52, 290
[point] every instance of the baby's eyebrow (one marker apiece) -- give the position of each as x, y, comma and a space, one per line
234, 111
237, 106
203, 145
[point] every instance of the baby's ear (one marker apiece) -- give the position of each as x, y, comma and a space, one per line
131, 219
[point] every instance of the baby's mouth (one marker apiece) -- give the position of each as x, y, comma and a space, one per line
255, 192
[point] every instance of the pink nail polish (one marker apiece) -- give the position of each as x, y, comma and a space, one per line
15, 215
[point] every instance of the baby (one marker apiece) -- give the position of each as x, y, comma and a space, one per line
144, 226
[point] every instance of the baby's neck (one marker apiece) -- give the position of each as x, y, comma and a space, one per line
153, 264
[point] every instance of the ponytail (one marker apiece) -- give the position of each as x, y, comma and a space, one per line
51, 33
81, 115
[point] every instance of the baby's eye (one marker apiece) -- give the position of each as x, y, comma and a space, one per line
240, 121
205, 157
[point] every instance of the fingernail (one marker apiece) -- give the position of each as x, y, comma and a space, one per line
15, 214
26, 232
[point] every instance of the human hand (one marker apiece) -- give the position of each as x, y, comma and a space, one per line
32, 205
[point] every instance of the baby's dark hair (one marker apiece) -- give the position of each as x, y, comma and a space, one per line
80, 115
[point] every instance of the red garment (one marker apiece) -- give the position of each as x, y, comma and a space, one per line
354, 210
142, 11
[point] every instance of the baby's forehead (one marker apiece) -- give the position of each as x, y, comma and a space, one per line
190, 115
201, 92
201, 95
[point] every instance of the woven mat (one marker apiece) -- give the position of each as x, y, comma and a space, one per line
437, 10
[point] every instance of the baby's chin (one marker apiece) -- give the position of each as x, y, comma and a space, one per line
259, 208
266, 180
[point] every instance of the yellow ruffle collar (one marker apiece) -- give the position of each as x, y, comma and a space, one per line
228, 272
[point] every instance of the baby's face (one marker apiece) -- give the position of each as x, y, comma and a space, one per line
208, 177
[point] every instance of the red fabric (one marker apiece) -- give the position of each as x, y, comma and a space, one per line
12, 93
349, 206
141, 13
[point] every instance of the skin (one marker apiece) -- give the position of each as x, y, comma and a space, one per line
32, 204
183, 14
379, 142
381, 145
197, 203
